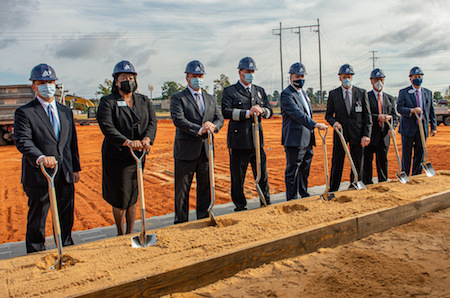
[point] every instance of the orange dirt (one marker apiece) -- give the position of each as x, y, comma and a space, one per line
92, 211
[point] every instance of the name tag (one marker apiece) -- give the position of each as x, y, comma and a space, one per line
121, 103
358, 109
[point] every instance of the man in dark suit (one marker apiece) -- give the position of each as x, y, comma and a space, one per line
415, 99
239, 103
348, 108
382, 106
194, 112
297, 135
44, 132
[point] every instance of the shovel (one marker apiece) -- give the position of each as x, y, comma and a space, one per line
427, 167
55, 215
401, 175
142, 240
326, 195
258, 158
356, 183
211, 177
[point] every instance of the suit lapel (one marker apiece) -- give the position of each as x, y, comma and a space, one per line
44, 117
191, 98
65, 125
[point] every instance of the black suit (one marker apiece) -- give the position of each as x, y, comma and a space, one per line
235, 103
297, 137
379, 140
189, 150
34, 137
355, 126
120, 123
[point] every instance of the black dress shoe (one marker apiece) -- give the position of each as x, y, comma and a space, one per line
239, 209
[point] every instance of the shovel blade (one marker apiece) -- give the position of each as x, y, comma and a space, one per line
213, 219
428, 168
402, 177
328, 196
359, 185
149, 239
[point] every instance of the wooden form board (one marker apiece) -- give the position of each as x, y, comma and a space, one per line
337, 233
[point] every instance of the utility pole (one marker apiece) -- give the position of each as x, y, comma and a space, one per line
278, 32
373, 58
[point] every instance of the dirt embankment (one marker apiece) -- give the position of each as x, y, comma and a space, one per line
92, 211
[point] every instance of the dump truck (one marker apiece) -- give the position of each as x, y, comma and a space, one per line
11, 98
442, 115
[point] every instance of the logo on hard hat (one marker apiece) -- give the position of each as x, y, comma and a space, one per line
46, 73
417, 70
127, 67
378, 73
348, 69
301, 69
251, 64
197, 68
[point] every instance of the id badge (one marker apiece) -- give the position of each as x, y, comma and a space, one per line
358, 109
121, 103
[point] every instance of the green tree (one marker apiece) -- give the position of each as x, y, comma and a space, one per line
104, 89
276, 96
219, 85
437, 95
317, 96
169, 88
310, 93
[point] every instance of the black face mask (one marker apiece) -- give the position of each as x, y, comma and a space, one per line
298, 83
128, 86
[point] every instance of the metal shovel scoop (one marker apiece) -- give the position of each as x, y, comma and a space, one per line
356, 183
401, 175
211, 178
55, 215
427, 167
142, 240
327, 196
256, 138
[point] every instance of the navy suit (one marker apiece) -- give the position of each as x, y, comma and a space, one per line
235, 102
34, 136
379, 140
409, 129
189, 150
356, 125
297, 137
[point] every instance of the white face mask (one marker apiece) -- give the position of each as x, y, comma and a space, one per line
378, 85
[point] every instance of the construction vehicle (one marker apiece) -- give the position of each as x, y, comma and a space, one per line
11, 98
91, 109
442, 115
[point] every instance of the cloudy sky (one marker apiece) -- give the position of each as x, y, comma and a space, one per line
83, 40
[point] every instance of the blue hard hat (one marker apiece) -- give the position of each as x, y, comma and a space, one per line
195, 67
347, 69
377, 73
298, 68
43, 72
124, 66
416, 70
247, 63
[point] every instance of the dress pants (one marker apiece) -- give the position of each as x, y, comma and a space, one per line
239, 159
408, 143
39, 204
380, 150
184, 173
298, 163
337, 162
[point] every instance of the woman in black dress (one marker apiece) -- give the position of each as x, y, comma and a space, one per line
128, 120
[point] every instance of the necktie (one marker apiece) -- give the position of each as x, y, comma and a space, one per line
248, 90
53, 121
198, 99
380, 108
418, 102
347, 102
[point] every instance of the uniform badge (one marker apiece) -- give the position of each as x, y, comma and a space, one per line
259, 95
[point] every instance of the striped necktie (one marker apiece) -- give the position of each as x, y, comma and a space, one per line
53, 121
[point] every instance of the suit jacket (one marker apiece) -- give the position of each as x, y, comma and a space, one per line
188, 119
298, 126
357, 124
380, 133
117, 125
235, 102
406, 101
34, 136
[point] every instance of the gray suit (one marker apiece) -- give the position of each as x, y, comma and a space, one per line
189, 150
297, 136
